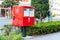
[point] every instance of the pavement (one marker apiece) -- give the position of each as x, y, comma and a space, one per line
52, 36
5, 21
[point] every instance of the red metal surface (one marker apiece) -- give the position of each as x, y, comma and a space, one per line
28, 21
18, 17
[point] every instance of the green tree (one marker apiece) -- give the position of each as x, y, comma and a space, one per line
9, 3
41, 8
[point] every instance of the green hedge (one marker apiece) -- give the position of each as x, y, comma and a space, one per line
44, 28
9, 34
12, 36
3, 37
15, 36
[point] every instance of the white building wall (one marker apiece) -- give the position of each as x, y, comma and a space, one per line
1, 2
54, 6
23, 3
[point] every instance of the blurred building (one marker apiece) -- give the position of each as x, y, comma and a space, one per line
4, 19
54, 7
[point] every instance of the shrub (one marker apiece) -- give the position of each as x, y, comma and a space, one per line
7, 28
3, 37
14, 36
44, 28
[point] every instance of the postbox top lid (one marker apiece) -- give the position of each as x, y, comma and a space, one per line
25, 6
28, 6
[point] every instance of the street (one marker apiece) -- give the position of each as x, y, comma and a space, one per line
53, 36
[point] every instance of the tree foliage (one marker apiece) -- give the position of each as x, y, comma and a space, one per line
42, 6
9, 3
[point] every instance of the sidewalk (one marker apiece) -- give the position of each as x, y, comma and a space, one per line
53, 36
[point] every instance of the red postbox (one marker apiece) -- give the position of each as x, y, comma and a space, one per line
23, 15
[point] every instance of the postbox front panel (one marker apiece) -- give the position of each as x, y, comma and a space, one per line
28, 17
28, 21
17, 16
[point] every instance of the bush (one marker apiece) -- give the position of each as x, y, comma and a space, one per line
14, 36
7, 28
44, 28
3, 37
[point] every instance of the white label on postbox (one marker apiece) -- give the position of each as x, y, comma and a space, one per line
29, 19
31, 12
26, 12
17, 10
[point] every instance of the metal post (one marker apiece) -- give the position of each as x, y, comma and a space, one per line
23, 30
50, 16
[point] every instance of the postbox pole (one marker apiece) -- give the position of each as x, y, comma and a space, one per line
23, 30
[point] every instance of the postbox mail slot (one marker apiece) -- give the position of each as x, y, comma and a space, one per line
28, 12
31, 11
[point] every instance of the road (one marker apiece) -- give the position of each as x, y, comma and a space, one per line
53, 36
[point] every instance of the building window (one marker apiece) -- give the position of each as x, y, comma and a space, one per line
5, 13
24, 0
2, 13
